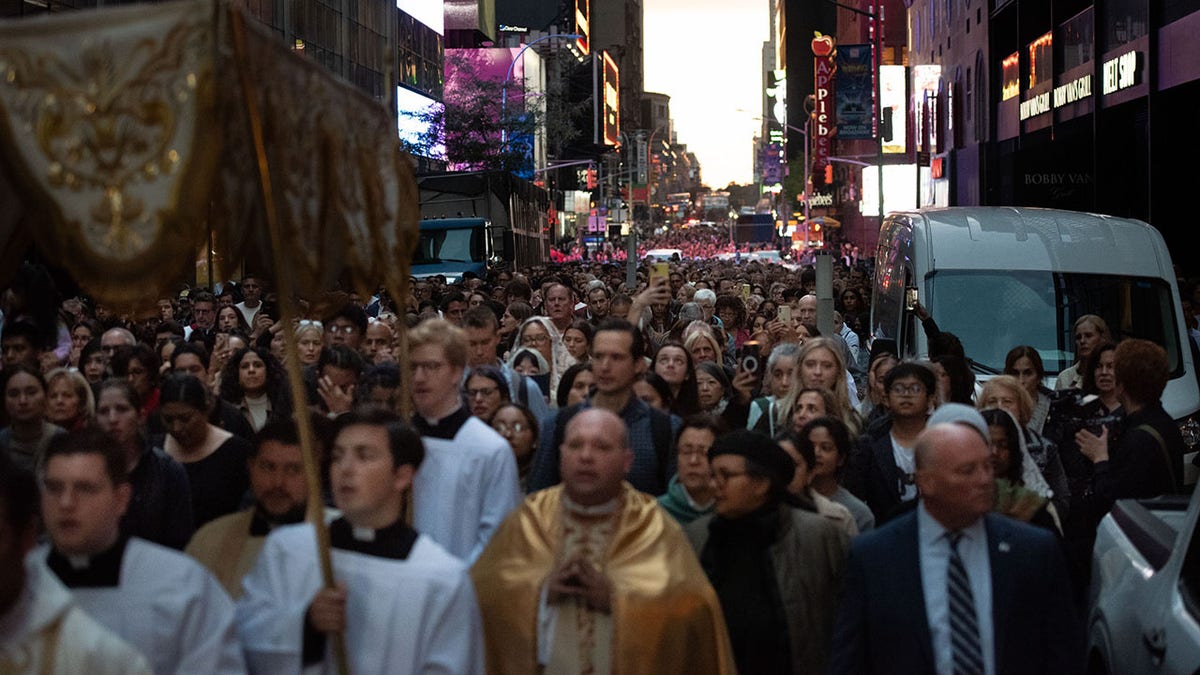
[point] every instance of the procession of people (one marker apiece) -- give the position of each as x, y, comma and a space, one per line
683, 475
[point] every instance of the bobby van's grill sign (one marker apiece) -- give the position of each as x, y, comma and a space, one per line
1064, 94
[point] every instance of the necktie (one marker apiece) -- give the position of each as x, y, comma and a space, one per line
964, 626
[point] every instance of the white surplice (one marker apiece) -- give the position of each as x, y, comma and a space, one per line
169, 608
465, 488
45, 632
416, 615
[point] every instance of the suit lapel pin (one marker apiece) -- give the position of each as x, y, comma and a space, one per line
1004, 547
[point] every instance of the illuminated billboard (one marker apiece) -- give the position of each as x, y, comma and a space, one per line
583, 18
429, 12
416, 117
926, 81
900, 188
612, 101
893, 102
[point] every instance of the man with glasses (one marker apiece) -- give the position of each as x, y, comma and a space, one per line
468, 482
882, 469
346, 327
564, 582
690, 493
204, 314
114, 338
482, 330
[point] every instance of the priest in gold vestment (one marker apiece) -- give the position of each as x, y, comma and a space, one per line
592, 576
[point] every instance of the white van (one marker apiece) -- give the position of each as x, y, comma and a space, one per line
998, 277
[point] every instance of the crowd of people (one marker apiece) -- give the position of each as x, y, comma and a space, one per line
685, 475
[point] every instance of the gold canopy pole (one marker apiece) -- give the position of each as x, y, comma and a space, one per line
315, 508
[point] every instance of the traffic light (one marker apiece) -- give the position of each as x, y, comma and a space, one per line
829, 174
591, 179
817, 177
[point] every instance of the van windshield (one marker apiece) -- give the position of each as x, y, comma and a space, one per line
992, 311
449, 245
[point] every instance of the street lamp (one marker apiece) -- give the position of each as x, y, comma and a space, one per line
508, 77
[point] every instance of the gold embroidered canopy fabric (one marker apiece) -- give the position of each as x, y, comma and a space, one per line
125, 136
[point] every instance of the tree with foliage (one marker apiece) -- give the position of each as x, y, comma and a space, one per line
471, 127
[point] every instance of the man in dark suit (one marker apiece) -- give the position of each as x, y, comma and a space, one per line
951, 587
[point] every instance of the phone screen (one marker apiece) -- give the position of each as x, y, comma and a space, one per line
910, 299
659, 269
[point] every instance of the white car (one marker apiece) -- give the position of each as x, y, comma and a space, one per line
663, 254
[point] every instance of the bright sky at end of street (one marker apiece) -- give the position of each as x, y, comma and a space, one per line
715, 85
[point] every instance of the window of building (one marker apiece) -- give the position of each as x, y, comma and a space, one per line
1125, 21
1075, 42
1041, 63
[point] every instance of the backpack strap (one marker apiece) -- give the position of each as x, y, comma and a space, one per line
1162, 447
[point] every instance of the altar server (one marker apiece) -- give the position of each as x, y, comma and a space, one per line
402, 603
159, 600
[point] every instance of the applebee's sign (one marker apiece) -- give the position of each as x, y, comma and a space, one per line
821, 126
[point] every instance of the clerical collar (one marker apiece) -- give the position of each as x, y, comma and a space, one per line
96, 571
447, 427
261, 525
394, 541
604, 509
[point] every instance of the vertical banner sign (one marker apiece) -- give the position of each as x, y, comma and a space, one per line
641, 163
583, 18
774, 158
855, 92
612, 102
823, 126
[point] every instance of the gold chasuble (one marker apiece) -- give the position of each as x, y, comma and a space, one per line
227, 549
665, 615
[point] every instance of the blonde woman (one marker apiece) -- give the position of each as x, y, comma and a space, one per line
70, 402
1006, 393
1089, 332
819, 365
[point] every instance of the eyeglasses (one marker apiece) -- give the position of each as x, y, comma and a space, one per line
907, 389
505, 427
348, 330
482, 391
308, 322
534, 339
723, 477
